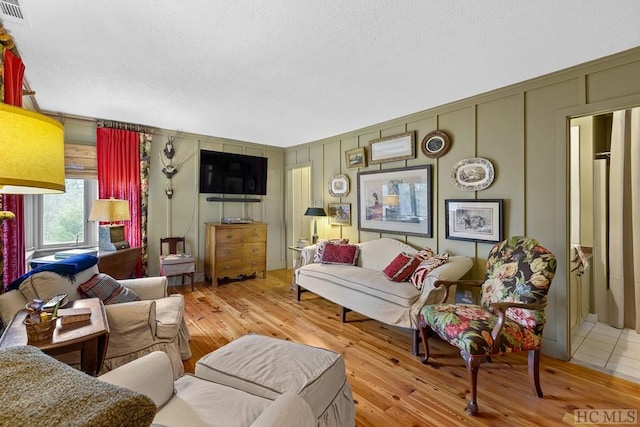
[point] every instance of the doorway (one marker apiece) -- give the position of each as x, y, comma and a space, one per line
599, 339
299, 191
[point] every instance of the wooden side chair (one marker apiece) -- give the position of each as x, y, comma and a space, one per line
510, 317
175, 261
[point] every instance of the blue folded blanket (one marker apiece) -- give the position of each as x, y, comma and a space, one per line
68, 268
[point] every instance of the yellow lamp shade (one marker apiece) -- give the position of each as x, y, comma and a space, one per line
109, 210
32, 152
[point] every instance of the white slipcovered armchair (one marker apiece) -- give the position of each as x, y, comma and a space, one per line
155, 323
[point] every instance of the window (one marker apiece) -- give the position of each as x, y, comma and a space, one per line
63, 218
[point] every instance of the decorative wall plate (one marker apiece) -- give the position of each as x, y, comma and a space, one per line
339, 186
435, 144
473, 174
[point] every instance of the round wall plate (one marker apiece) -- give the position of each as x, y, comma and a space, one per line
435, 144
473, 174
338, 186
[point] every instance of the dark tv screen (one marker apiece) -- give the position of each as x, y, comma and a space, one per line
229, 173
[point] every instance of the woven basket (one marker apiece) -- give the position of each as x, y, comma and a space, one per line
42, 331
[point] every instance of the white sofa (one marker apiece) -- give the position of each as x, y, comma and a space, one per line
136, 328
364, 288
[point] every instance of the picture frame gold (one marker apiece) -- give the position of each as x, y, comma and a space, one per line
339, 213
392, 148
356, 158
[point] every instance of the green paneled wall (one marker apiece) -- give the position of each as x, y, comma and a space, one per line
523, 130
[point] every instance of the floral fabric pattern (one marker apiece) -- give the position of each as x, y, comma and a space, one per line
518, 270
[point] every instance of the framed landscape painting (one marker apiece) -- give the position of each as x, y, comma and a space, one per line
474, 220
396, 201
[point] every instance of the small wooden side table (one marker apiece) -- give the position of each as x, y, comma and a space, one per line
90, 336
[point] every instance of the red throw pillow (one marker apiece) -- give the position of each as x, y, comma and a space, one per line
336, 253
401, 267
420, 274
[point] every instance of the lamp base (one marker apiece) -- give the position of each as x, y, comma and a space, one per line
111, 238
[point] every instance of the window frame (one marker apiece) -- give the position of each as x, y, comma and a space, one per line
34, 214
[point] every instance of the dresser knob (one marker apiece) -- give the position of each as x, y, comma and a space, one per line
227, 252
254, 250
227, 267
229, 236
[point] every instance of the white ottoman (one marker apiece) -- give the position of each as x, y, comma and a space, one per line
269, 367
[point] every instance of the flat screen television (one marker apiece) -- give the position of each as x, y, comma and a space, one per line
229, 173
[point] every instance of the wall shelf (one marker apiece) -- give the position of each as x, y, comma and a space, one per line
232, 199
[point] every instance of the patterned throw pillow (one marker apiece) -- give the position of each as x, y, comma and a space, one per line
418, 277
401, 267
107, 289
335, 253
425, 254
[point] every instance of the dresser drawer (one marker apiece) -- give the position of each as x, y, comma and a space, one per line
255, 234
229, 235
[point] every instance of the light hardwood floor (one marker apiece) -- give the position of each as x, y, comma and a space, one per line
392, 387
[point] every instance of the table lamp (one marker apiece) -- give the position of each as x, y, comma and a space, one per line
315, 212
111, 236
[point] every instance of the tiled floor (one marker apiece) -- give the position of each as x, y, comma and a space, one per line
603, 347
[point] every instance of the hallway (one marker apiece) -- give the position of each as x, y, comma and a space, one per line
607, 349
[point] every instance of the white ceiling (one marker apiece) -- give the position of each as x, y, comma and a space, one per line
286, 72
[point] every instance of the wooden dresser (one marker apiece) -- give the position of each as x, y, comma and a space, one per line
232, 250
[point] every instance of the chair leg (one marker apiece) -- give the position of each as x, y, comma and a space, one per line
534, 371
191, 276
473, 364
424, 333
415, 342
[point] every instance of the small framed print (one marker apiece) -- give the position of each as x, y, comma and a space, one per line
340, 213
338, 186
474, 220
356, 158
392, 148
435, 144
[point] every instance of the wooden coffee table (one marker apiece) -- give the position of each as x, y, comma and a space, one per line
90, 336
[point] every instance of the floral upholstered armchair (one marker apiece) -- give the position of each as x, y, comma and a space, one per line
510, 317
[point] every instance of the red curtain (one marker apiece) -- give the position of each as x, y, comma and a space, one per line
13, 245
118, 155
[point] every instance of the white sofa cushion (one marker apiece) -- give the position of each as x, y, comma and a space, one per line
47, 284
198, 402
363, 280
377, 254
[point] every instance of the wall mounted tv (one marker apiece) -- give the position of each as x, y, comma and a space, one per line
229, 173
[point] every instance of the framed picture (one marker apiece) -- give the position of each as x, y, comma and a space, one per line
474, 220
356, 158
435, 144
340, 213
338, 186
392, 148
396, 201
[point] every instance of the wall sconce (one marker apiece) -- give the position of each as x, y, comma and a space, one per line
315, 212
110, 237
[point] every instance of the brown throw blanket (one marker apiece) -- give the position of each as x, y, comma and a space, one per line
37, 389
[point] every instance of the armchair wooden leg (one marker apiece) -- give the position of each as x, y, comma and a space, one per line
534, 371
473, 364
424, 333
415, 342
